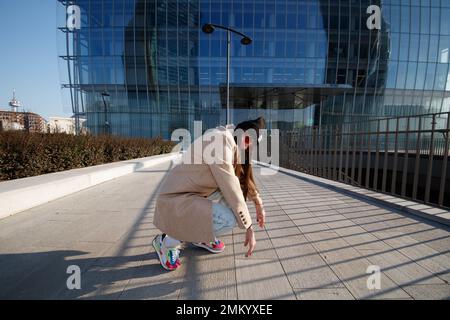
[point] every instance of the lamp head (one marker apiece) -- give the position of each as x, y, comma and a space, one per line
246, 41
208, 28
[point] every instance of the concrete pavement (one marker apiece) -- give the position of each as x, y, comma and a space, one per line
318, 244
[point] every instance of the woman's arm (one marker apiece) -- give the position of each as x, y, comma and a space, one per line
231, 189
260, 212
255, 196
229, 184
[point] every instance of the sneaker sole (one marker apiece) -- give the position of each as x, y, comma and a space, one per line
200, 245
159, 256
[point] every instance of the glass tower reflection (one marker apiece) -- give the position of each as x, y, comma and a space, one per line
311, 62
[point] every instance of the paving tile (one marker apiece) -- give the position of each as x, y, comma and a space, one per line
281, 229
429, 291
107, 276
299, 209
209, 276
321, 208
359, 238
324, 294
279, 216
422, 254
351, 267
259, 279
307, 225
150, 282
304, 266
40, 272
264, 248
399, 268
330, 217
299, 215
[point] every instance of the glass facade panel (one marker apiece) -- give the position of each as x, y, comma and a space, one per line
310, 62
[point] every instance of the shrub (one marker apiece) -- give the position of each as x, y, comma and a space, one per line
25, 154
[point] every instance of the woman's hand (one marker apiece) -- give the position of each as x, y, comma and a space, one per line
260, 215
250, 241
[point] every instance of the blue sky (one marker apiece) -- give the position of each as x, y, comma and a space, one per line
29, 57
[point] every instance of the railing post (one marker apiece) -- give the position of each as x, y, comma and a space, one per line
405, 159
386, 156
394, 168
311, 151
320, 153
303, 147
341, 154
299, 148
444, 162
354, 138
328, 151
417, 163
362, 136
377, 157
315, 166
336, 140
369, 156
430, 161
329, 157
347, 155
287, 144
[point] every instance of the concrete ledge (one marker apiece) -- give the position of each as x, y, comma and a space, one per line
412, 207
22, 194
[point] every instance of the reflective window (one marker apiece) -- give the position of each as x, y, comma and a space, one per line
154, 55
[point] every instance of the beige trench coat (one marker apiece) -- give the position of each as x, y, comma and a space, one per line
182, 210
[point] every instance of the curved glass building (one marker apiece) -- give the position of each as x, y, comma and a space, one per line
311, 62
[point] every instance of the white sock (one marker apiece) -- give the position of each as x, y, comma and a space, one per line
171, 242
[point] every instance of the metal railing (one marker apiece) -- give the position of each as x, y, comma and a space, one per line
404, 156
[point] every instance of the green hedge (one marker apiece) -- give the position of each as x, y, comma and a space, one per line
30, 154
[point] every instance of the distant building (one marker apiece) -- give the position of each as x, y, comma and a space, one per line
28, 121
15, 120
62, 124
14, 103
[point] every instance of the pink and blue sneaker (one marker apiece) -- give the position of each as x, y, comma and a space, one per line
168, 257
216, 246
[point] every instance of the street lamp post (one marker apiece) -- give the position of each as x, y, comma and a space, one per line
209, 28
106, 124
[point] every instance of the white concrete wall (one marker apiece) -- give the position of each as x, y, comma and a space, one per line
22, 194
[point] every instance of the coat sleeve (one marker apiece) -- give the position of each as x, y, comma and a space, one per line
229, 186
228, 183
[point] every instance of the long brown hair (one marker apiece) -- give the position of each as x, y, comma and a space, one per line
244, 171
